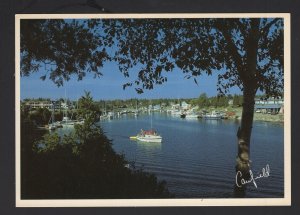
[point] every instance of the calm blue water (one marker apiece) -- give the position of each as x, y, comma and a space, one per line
197, 157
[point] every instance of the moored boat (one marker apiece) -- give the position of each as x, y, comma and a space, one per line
149, 136
176, 112
51, 127
67, 121
51, 123
110, 115
191, 116
213, 115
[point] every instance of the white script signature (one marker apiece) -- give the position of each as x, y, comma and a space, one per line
265, 173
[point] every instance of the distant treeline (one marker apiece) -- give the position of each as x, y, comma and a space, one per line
218, 101
202, 101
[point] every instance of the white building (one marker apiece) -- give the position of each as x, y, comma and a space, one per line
185, 105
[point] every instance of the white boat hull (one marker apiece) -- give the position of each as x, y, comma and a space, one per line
191, 116
212, 117
51, 127
67, 123
150, 138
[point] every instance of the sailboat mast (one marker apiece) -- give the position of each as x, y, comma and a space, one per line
53, 113
65, 112
151, 115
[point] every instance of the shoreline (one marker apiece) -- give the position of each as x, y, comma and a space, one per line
263, 116
236, 113
268, 117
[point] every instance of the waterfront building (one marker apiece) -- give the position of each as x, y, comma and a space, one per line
185, 106
156, 107
39, 104
271, 105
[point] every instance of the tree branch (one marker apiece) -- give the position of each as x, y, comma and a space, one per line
266, 29
232, 47
242, 28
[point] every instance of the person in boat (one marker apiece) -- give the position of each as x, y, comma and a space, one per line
151, 132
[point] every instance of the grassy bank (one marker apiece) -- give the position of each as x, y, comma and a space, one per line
236, 113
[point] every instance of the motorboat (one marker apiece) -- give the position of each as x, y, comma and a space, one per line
148, 136
191, 116
213, 115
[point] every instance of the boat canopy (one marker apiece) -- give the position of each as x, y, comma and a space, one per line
148, 132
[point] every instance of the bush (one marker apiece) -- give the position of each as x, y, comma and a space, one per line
81, 165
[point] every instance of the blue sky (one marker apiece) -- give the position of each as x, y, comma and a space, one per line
110, 86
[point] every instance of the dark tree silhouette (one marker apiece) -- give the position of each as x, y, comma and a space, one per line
81, 164
62, 48
247, 53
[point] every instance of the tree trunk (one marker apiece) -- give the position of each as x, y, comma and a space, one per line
250, 88
244, 132
243, 135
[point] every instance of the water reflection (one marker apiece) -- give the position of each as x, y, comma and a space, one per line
197, 157
192, 119
148, 146
211, 121
201, 152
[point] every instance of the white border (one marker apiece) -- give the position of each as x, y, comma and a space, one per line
163, 202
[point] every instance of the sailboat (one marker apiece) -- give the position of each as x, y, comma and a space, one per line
79, 121
51, 123
136, 113
66, 120
103, 116
110, 115
148, 135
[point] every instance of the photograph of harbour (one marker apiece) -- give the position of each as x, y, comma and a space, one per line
152, 108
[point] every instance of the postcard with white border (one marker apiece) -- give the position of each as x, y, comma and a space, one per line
153, 110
